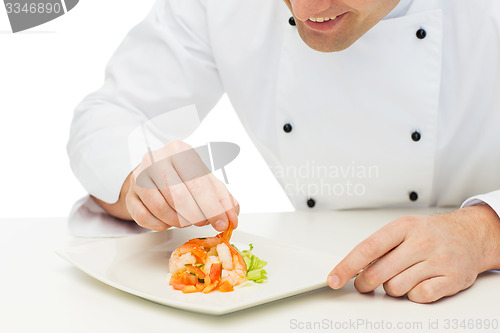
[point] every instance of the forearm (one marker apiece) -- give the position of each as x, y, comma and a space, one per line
119, 208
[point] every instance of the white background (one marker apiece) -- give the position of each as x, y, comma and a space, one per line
46, 71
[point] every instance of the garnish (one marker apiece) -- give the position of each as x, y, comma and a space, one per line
255, 266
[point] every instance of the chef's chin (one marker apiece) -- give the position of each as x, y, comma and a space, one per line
324, 43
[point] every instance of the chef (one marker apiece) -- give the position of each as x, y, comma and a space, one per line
352, 103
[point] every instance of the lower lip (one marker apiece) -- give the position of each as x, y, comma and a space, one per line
324, 26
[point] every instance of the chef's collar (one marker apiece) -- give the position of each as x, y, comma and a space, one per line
400, 10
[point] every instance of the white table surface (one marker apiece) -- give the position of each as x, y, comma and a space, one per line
43, 293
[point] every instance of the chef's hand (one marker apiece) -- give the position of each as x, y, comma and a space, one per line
178, 190
424, 257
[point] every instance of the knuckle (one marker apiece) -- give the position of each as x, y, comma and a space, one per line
361, 285
183, 205
178, 194
172, 218
394, 288
368, 248
156, 207
227, 203
405, 222
430, 243
140, 217
174, 144
129, 201
469, 280
408, 219
177, 146
234, 202
146, 220
198, 186
425, 293
219, 186
371, 277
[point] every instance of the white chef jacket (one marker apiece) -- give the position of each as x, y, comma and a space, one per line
393, 121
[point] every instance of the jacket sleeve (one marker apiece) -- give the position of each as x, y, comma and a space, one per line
492, 199
163, 64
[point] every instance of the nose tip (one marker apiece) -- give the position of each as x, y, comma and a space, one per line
304, 9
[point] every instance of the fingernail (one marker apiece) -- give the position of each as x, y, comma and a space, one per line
221, 225
333, 281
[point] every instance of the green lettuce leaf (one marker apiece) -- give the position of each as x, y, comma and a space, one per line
255, 271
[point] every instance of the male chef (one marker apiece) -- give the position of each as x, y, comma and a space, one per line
401, 96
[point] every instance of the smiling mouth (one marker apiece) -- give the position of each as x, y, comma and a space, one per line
322, 19
324, 24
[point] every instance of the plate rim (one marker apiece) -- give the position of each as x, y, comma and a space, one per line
65, 253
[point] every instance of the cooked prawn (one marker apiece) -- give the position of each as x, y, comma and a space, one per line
207, 264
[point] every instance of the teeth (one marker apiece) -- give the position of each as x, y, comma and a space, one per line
322, 19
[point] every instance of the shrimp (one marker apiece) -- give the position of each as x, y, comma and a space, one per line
207, 264
234, 269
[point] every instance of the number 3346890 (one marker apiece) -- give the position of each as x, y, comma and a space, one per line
33, 8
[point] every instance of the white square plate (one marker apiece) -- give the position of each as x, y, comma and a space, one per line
139, 266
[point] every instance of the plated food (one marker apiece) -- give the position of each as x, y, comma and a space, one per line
212, 263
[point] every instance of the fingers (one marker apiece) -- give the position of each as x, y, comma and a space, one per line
433, 289
385, 268
208, 201
421, 257
423, 283
210, 195
177, 195
229, 204
372, 248
405, 281
154, 197
154, 201
179, 190
141, 214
